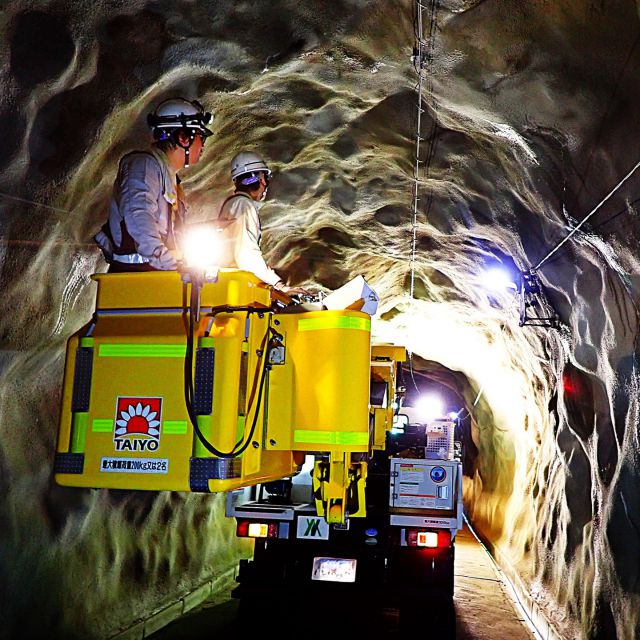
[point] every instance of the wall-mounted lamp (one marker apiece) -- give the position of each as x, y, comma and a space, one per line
535, 308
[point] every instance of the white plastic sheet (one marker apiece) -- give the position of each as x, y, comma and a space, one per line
356, 294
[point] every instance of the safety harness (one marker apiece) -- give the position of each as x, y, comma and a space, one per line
126, 253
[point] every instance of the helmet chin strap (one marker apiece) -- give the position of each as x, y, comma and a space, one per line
186, 147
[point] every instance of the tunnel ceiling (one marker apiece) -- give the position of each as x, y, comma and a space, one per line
529, 120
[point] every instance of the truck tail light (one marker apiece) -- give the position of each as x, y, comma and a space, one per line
251, 529
429, 539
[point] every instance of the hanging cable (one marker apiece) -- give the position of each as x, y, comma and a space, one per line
263, 363
422, 56
33, 202
618, 81
418, 62
593, 211
40, 243
411, 371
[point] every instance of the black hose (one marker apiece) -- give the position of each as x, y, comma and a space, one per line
188, 376
265, 368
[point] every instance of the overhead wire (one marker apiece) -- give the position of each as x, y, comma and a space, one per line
626, 209
422, 56
416, 170
615, 215
595, 143
33, 203
56, 243
592, 212
39, 243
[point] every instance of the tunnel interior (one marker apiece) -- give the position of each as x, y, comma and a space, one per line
528, 117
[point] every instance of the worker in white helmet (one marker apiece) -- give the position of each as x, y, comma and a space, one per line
240, 223
147, 205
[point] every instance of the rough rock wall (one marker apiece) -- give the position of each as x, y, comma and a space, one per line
529, 121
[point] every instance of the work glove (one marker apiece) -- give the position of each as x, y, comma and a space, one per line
291, 291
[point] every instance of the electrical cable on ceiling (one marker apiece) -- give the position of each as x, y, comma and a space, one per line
593, 211
600, 131
627, 209
417, 62
615, 215
423, 55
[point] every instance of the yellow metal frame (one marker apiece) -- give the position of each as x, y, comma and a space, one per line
315, 398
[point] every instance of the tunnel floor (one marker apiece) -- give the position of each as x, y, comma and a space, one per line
481, 610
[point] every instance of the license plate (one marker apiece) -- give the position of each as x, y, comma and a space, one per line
334, 570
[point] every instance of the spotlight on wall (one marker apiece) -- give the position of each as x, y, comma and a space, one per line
498, 279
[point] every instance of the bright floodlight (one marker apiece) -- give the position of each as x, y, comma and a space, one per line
453, 414
497, 279
201, 247
430, 407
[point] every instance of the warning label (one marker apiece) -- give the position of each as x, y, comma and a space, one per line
134, 465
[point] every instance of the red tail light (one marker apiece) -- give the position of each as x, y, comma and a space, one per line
252, 529
429, 539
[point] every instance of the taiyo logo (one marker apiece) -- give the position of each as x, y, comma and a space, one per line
137, 424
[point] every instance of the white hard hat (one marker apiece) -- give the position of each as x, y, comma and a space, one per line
249, 164
178, 113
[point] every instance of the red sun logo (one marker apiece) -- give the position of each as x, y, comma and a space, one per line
138, 416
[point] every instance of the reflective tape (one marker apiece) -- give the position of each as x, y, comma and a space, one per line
101, 425
142, 350
331, 437
169, 427
339, 322
174, 427
79, 424
129, 258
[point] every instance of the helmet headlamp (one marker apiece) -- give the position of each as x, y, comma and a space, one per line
177, 114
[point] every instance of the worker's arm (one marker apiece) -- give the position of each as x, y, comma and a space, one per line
248, 255
140, 182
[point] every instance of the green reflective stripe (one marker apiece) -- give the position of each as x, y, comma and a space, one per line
174, 427
102, 425
330, 437
86, 342
340, 322
142, 350
205, 424
79, 424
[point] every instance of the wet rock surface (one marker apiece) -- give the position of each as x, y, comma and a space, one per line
530, 119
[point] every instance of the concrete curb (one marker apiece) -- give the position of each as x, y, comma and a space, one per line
531, 608
162, 617
518, 592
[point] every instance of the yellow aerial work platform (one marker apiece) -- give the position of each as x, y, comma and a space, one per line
164, 393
